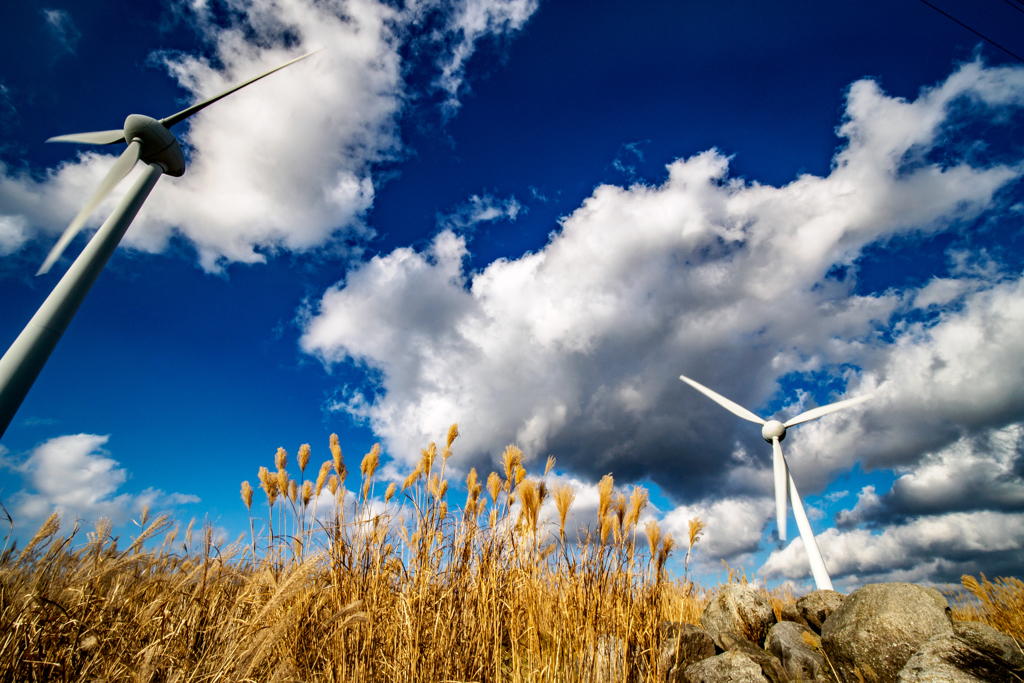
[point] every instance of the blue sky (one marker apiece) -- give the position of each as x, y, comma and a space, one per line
530, 218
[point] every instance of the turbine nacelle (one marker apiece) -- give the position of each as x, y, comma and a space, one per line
773, 432
159, 146
773, 429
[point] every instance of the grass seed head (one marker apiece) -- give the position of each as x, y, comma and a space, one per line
303, 456
332, 484
453, 433
321, 478
370, 461
550, 464
247, 495
390, 492
511, 459
494, 487
281, 459
307, 492
696, 528
564, 496
604, 490
282, 482
293, 490
339, 464
637, 502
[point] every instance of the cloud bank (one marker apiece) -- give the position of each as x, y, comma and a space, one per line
576, 349
75, 475
288, 163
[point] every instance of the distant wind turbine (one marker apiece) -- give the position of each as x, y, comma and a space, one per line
773, 432
149, 140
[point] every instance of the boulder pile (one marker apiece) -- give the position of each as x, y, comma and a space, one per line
881, 633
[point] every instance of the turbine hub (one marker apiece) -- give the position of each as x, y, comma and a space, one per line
158, 144
773, 429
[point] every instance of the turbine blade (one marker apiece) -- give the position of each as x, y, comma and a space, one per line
733, 408
119, 170
815, 413
100, 137
185, 113
781, 472
821, 578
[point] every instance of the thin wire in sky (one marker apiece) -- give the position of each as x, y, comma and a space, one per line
985, 38
1015, 6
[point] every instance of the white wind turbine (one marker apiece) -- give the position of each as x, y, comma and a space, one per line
773, 432
149, 140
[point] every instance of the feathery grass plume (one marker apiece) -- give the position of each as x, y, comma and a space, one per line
303, 457
370, 461
282, 482
511, 458
604, 490
520, 474
392, 487
427, 457
293, 490
637, 502
50, 527
339, 464
494, 487
281, 459
321, 478
307, 492
609, 523
696, 528
268, 483
332, 485
414, 476
564, 496
1002, 603
98, 538
668, 544
453, 433
530, 505
550, 464
653, 532
247, 495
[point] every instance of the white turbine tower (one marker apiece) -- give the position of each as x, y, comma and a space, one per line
149, 140
773, 432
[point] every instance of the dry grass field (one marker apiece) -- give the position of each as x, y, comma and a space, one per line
407, 590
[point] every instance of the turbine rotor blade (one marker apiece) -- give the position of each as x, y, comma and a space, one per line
100, 137
821, 578
733, 408
185, 113
118, 171
815, 413
781, 473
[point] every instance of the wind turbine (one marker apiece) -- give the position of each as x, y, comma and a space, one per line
149, 140
773, 432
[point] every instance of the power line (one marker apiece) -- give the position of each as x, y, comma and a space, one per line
1015, 6
983, 37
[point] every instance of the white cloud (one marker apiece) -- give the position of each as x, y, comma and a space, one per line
62, 29
581, 343
75, 474
289, 162
939, 548
481, 209
576, 349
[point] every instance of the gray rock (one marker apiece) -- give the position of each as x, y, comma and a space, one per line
740, 609
877, 628
729, 667
771, 666
817, 606
609, 659
984, 638
976, 653
791, 613
795, 646
682, 645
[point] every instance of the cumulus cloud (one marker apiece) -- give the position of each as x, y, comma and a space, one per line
576, 349
287, 163
937, 548
76, 475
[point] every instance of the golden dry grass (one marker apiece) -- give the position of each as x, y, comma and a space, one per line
405, 591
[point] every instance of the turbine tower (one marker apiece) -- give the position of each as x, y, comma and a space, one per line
773, 432
149, 140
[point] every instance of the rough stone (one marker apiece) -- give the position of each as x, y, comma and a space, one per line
729, 667
975, 653
984, 638
682, 645
817, 606
791, 613
740, 609
771, 667
877, 628
795, 646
